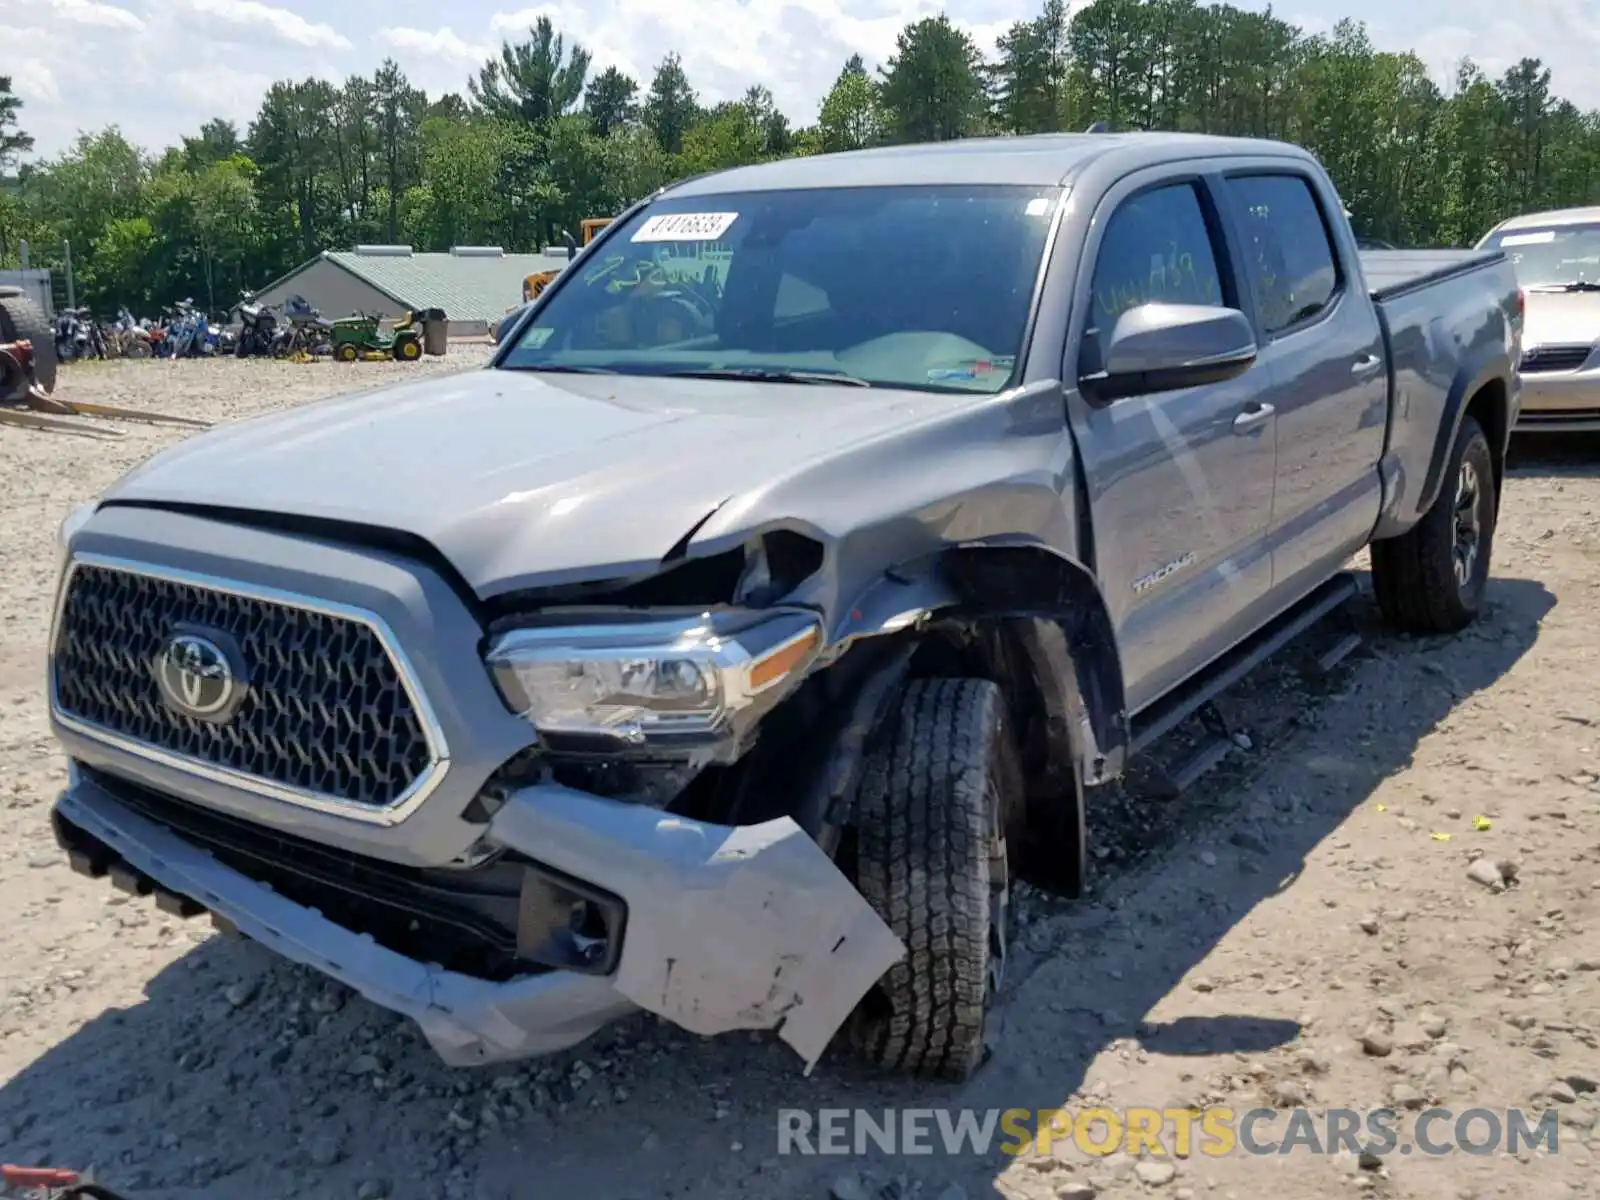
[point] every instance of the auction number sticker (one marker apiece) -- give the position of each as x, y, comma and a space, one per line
685, 227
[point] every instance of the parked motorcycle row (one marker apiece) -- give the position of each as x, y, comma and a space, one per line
183, 331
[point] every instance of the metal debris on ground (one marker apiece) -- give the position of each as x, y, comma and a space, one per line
26, 404
53, 1183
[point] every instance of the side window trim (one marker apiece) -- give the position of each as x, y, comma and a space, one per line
1239, 217
1229, 279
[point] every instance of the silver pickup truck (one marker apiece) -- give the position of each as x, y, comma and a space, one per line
804, 560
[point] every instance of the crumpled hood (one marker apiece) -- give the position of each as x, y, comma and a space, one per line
1561, 319
521, 479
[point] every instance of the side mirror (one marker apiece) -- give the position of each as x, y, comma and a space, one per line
1164, 347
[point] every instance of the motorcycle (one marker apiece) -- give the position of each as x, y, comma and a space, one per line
129, 338
307, 331
258, 331
187, 334
70, 335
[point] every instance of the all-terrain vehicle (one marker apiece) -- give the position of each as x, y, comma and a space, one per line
728, 653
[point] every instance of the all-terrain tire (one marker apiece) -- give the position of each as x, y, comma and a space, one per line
20, 319
1422, 579
936, 796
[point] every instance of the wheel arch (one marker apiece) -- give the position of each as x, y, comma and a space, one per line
1035, 622
1485, 394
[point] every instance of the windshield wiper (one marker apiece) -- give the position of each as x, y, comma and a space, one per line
561, 369
1577, 285
773, 375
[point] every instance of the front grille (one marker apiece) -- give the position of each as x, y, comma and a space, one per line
1554, 358
326, 715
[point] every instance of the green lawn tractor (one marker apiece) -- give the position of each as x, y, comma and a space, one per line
358, 337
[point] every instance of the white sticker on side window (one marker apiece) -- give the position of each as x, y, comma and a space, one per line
1529, 239
685, 227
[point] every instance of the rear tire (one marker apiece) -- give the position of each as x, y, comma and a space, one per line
1431, 579
21, 320
937, 797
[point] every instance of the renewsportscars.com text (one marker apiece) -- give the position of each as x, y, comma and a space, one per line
1179, 1132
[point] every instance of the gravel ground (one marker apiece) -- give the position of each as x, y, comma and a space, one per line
1321, 923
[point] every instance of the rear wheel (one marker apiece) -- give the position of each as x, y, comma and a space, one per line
407, 348
937, 798
1432, 579
21, 320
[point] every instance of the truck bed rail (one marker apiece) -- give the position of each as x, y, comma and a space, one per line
1393, 273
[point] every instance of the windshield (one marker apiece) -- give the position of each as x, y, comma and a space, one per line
908, 287
1564, 256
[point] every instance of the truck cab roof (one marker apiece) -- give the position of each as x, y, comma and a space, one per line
1036, 160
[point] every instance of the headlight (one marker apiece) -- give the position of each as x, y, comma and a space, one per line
634, 681
76, 520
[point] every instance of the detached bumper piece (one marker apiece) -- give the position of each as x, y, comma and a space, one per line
712, 927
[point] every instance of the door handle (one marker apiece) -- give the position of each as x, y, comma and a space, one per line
1252, 417
1366, 365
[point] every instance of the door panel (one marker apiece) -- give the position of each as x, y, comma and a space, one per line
1180, 487
1330, 382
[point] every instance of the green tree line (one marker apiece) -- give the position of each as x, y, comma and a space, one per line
539, 139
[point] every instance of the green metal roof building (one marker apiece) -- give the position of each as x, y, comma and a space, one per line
474, 285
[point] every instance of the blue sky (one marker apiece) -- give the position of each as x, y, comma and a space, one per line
158, 68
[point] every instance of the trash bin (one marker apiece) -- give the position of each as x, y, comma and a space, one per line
435, 331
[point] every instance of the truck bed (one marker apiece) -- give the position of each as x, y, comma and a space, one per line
1444, 314
1392, 273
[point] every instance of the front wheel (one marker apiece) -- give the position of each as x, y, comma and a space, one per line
936, 801
347, 353
1432, 578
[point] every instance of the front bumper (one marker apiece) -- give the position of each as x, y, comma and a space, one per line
728, 927
1560, 402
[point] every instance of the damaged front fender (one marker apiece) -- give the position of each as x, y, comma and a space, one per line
728, 927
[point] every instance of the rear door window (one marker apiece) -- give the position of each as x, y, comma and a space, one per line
1287, 249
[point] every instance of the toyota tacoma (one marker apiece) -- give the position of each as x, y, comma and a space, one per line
805, 558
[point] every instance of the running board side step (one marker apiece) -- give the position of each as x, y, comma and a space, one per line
1198, 694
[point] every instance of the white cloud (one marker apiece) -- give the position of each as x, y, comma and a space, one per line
438, 43
31, 78
88, 12
287, 26
209, 87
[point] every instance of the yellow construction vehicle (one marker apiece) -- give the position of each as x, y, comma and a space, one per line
539, 280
